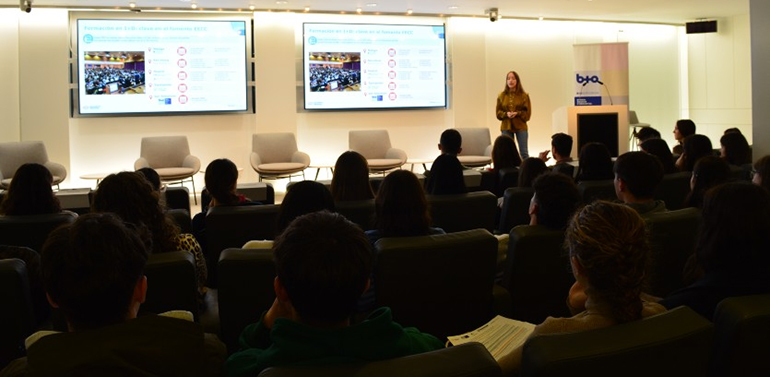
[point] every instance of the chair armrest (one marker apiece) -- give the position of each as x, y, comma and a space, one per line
396, 153
488, 150
301, 157
56, 169
141, 162
192, 162
255, 160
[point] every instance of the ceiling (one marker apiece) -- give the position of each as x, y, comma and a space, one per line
647, 11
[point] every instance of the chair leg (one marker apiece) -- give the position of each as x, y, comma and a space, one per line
195, 197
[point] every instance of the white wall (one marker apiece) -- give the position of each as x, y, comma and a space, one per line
760, 72
9, 80
479, 55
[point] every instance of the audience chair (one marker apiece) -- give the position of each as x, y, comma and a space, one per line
477, 147
634, 125
15, 154
31, 231
182, 218
466, 360
441, 284
245, 290
674, 343
171, 283
673, 189
375, 146
515, 209
455, 213
17, 317
170, 157
742, 330
177, 198
361, 212
537, 273
672, 239
233, 226
592, 191
275, 155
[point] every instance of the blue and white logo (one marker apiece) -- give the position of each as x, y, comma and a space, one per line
88, 38
312, 40
586, 78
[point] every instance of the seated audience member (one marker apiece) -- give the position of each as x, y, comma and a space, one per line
646, 133
761, 173
659, 149
401, 209
735, 149
446, 172
323, 264
555, 200
151, 176
505, 160
595, 163
31, 259
221, 180
531, 168
731, 249
351, 178
609, 253
130, 196
30, 193
693, 148
709, 172
561, 148
682, 129
92, 271
637, 175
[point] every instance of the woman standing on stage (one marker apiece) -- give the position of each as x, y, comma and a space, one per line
514, 109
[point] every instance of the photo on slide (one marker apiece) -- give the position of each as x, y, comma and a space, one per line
114, 72
335, 71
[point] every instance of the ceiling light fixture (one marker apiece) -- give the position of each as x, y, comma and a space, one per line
251, 7
194, 6
408, 11
452, 7
358, 10
371, 4
281, 2
540, 18
307, 9
132, 5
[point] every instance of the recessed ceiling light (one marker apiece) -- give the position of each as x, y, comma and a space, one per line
453, 7
307, 9
371, 4
194, 6
252, 7
281, 2
132, 5
540, 18
408, 11
358, 10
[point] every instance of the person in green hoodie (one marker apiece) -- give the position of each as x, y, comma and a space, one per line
323, 265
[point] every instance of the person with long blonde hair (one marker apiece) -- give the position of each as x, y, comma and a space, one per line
513, 110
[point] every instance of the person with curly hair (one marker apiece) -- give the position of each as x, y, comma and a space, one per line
30, 193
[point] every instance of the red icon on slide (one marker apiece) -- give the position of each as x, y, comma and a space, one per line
392, 75
183, 99
182, 88
391, 52
392, 63
392, 86
181, 63
181, 51
181, 75
392, 96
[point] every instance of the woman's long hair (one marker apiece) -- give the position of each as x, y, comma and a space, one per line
351, 178
401, 207
519, 88
504, 153
30, 192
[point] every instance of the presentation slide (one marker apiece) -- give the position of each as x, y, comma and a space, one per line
369, 66
161, 66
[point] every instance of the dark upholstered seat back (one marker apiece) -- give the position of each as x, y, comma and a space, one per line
674, 343
360, 212
537, 273
455, 213
171, 283
515, 208
673, 189
440, 284
17, 317
467, 360
31, 231
672, 239
245, 290
592, 191
742, 332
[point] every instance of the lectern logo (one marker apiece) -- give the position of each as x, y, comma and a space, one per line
584, 79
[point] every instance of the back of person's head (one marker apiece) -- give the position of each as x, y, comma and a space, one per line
647, 133
709, 171
641, 172
695, 147
151, 176
90, 269
733, 129
451, 141
735, 148
556, 197
504, 153
561, 143
131, 197
351, 178
609, 242
400, 206
446, 176
762, 172
659, 148
303, 198
531, 168
221, 180
734, 230
30, 192
686, 127
595, 162
324, 261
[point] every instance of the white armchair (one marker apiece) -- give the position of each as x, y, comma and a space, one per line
170, 157
275, 155
375, 146
477, 147
15, 154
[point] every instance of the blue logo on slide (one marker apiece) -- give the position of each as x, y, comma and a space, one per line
88, 38
582, 79
312, 40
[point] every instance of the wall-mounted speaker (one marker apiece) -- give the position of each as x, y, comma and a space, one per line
701, 27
